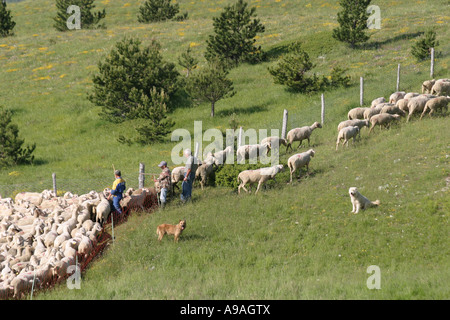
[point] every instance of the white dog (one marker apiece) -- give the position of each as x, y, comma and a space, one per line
359, 201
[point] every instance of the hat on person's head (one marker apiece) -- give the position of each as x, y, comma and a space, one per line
163, 163
117, 173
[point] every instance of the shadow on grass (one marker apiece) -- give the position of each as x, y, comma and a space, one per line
378, 44
241, 111
39, 162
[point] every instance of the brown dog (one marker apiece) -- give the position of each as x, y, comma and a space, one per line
176, 230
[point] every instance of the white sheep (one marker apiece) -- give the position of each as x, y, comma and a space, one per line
273, 142
204, 173
31, 197
396, 96
346, 134
102, 210
178, 174
435, 104
370, 112
392, 109
382, 119
222, 156
300, 134
411, 95
441, 88
417, 104
356, 113
377, 101
351, 123
251, 152
259, 176
427, 85
297, 161
402, 104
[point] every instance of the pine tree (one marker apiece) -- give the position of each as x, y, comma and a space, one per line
187, 61
353, 22
234, 35
89, 19
157, 10
6, 22
11, 151
293, 70
127, 69
421, 50
210, 84
153, 111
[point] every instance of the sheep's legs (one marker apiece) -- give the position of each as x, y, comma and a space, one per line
257, 189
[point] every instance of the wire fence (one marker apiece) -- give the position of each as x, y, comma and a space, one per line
75, 186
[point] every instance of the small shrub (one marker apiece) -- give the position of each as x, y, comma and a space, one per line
6, 22
159, 10
226, 175
421, 50
89, 19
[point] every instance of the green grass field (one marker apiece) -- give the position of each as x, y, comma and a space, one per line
297, 241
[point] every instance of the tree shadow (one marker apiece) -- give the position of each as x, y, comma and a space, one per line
39, 162
180, 100
378, 44
241, 111
276, 51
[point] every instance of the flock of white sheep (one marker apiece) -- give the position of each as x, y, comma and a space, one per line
434, 97
41, 234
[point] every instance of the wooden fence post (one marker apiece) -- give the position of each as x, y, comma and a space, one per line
141, 175
54, 183
322, 115
361, 91
432, 64
284, 128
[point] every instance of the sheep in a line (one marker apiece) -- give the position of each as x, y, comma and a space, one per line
351, 123
392, 109
396, 96
273, 142
259, 176
204, 173
297, 161
346, 134
382, 120
377, 101
177, 175
441, 88
432, 105
427, 85
357, 113
300, 134
417, 104
370, 112
251, 152
222, 156
402, 104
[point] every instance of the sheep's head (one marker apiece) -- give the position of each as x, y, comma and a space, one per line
311, 152
317, 125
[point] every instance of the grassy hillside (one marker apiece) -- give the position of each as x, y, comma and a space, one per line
289, 242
